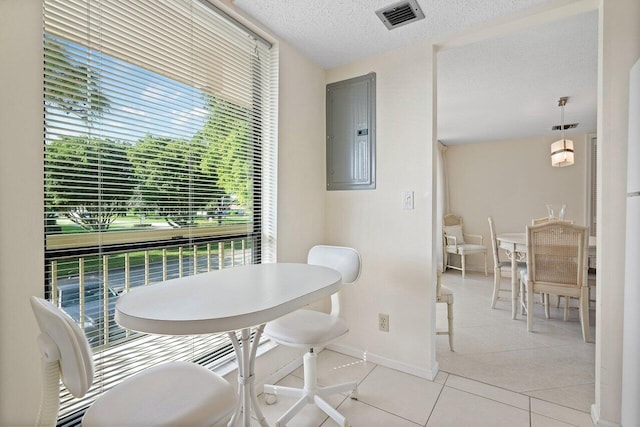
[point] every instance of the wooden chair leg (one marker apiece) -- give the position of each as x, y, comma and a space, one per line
545, 301
529, 308
566, 308
450, 322
584, 315
463, 263
497, 275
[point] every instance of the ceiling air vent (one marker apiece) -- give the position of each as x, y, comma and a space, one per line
400, 14
567, 126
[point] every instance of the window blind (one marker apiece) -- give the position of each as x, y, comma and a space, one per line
160, 161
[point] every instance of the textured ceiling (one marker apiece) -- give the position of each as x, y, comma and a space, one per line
508, 87
502, 88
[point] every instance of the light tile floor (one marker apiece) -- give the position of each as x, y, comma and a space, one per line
499, 375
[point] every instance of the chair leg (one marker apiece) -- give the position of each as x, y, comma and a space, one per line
312, 394
497, 275
529, 307
566, 308
450, 322
462, 262
584, 315
329, 410
545, 301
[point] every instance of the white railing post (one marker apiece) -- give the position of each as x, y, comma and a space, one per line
81, 290
105, 298
146, 267
127, 272
195, 259
220, 255
54, 281
164, 264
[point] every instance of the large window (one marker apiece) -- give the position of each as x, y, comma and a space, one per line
159, 162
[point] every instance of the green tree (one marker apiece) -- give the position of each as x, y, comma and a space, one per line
170, 179
90, 179
228, 150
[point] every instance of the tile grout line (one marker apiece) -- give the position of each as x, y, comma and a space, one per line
444, 384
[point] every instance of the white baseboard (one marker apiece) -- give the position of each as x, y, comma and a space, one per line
428, 374
595, 417
353, 352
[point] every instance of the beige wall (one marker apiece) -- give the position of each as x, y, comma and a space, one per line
513, 181
395, 244
301, 155
21, 208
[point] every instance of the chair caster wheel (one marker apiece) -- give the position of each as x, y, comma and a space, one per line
270, 399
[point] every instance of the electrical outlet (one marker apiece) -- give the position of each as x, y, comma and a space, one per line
383, 322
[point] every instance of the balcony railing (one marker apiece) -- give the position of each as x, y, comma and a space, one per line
87, 287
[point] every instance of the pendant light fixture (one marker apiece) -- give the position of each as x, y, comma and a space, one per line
562, 150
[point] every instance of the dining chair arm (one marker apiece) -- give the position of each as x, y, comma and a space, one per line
448, 238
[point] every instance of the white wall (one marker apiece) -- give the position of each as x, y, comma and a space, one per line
395, 244
21, 208
301, 155
619, 49
513, 181
301, 166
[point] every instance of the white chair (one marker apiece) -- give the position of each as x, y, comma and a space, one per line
557, 265
456, 242
445, 295
498, 266
310, 329
176, 393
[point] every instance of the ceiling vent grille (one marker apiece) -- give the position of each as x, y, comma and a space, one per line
567, 126
400, 14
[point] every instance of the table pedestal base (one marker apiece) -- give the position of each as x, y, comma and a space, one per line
247, 399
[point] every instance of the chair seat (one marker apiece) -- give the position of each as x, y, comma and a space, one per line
306, 328
445, 290
466, 248
446, 295
176, 393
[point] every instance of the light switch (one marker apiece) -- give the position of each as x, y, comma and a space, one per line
407, 200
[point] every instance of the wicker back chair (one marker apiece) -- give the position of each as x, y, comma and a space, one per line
556, 264
538, 221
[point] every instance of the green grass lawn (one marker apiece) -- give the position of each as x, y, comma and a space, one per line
130, 222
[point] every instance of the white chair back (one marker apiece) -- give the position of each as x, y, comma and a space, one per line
61, 339
345, 260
